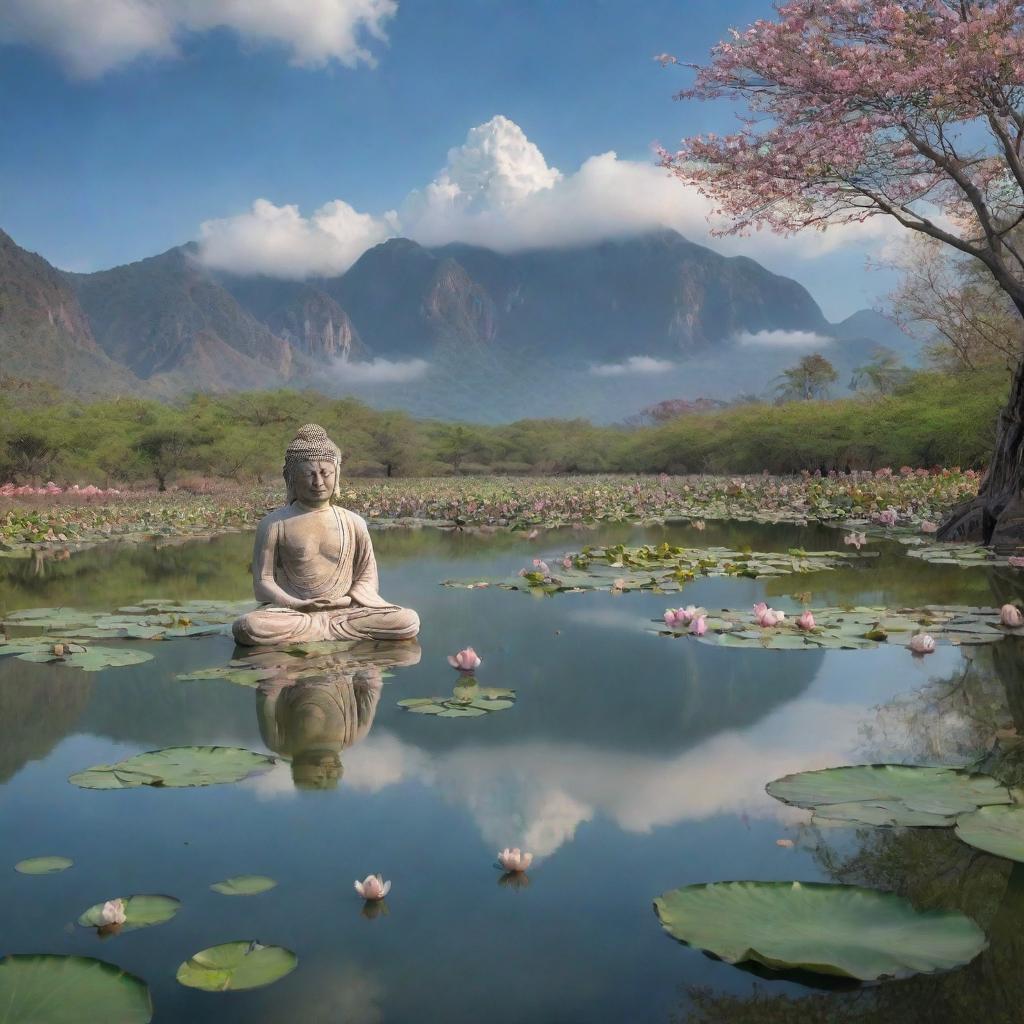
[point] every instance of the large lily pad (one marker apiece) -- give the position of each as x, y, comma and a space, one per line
233, 966
175, 766
89, 659
890, 794
48, 989
829, 929
43, 865
140, 911
244, 885
854, 628
998, 830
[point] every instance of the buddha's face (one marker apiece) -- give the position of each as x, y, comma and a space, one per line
313, 482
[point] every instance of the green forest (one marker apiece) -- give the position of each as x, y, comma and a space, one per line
935, 417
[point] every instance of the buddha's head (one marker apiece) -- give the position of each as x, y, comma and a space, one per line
312, 467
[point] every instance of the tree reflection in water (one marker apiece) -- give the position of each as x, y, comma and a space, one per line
953, 719
309, 715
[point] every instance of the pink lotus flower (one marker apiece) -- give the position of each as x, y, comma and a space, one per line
805, 621
886, 518
567, 562
467, 660
515, 859
372, 887
1010, 615
770, 617
922, 643
856, 539
699, 626
1016, 561
698, 524
929, 527
541, 566
675, 617
113, 912
759, 609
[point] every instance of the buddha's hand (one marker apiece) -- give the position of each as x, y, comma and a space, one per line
323, 604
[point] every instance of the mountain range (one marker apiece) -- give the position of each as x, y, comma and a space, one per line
457, 331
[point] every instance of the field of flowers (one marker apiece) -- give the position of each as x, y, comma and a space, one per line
51, 518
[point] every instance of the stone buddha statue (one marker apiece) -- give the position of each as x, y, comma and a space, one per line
313, 565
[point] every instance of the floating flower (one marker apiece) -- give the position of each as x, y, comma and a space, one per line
806, 620
856, 539
699, 626
467, 660
567, 562
886, 518
929, 527
922, 643
770, 617
760, 608
675, 617
373, 887
698, 524
1016, 561
515, 859
541, 566
1010, 615
113, 912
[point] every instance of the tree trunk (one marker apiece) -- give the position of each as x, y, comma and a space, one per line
996, 515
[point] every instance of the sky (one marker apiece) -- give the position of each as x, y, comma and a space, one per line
289, 137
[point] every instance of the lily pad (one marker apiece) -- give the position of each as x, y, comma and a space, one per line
244, 885
890, 794
43, 865
139, 912
50, 989
175, 766
467, 701
841, 930
998, 830
234, 966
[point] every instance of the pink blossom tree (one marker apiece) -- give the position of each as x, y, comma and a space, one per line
908, 109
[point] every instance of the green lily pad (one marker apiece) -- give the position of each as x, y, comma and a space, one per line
50, 989
43, 865
139, 912
998, 830
175, 766
92, 659
234, 966
841, 930
467, 701
244, 885
890, 794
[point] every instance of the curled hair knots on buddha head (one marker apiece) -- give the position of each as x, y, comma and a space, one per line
310, 444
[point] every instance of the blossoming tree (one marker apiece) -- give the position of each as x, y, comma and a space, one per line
908, 109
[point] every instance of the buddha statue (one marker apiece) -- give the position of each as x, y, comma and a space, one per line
313, 566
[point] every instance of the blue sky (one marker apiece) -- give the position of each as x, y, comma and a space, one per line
123, 148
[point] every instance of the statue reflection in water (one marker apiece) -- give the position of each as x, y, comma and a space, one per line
310, 712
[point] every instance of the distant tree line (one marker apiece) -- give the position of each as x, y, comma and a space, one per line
923, 418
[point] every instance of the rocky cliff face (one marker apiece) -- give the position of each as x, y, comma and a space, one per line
44, 332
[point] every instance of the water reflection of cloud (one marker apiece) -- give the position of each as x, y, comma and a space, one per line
538, 793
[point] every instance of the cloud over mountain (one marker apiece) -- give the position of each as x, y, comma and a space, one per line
91, 37
784, 339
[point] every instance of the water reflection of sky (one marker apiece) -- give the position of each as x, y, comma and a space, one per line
630, 764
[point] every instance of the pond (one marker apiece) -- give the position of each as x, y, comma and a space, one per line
629, 764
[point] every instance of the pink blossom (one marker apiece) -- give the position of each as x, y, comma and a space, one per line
922, 643
541, 566
806, 620
759, 609
515, 859
856, 539
770, 617
699, 626
928, 526
1010, 615
372, 887
467, 660
1016, 561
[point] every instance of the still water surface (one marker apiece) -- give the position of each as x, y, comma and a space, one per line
630, 764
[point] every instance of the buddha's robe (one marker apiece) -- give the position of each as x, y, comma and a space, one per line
325, 556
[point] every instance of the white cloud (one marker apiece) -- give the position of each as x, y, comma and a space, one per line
784, 339
92, 36
280, 242
497, 190
632, 367
381, 371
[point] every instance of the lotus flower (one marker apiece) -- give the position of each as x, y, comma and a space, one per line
806, 621
466, 660
515, 859
675, 617
698, 524
699, 626
922, 643
759, 609
856, 539
1010, 615
886, 518
770, 617
113, 912
541, 566
373, 887
567, 562
929, 527
1016, 561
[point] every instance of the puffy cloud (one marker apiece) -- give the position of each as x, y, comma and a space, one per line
497, 190
92, 36
381, 371
784, 339
633, 366
280, 242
